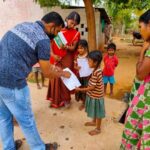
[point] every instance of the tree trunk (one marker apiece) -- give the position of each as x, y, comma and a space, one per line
123, 29
90, 15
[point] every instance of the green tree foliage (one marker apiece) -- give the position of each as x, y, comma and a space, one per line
122, 12
125, 12
48, 3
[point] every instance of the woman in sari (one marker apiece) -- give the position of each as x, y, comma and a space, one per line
136, 135
63, 56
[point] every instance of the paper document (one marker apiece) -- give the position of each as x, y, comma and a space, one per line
72, 82
85, 70
60, 39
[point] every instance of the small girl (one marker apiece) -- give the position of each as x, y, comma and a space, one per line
110, 63
94, 105
82, 54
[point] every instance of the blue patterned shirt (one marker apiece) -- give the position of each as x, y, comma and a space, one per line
20, 49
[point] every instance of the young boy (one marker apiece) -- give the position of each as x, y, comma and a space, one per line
110, 63
36, 70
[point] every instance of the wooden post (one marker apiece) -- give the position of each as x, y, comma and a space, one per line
90, 16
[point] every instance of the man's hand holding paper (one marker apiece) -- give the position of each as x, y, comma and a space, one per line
72, 82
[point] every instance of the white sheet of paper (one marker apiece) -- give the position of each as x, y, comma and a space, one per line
72, 82
85, 69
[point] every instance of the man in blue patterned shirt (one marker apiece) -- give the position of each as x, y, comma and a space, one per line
20, 48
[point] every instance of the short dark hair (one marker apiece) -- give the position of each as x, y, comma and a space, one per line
74, 16
145, 17
83, 43
53, 17
96, 56
111, 45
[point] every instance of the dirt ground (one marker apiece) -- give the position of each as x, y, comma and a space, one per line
66, 126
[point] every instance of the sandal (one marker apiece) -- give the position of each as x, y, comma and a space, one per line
95, 132
54, 106
61, 104
50, 99
18, 144
52, 146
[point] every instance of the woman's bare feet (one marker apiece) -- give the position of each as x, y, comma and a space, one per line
95, 132
90, 123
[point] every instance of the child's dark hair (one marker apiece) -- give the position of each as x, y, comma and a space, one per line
145, 17
96, 56
53, 17
74, 16
83, 43
112, 46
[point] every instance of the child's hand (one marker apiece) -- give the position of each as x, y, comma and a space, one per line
78, 67
78, 89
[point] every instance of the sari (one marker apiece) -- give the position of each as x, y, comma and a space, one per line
58, 93
136, 135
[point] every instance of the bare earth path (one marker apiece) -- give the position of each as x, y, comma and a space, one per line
66, 126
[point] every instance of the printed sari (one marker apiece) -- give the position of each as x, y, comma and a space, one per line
136, 135
57, 91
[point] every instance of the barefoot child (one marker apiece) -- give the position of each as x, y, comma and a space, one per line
110, 63
36, 70
82, 54
94, 105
